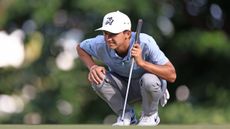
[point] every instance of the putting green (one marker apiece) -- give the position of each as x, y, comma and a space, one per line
83, 126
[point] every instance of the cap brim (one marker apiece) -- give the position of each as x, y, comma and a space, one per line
108, 29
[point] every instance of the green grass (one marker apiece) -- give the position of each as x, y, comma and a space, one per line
110, 127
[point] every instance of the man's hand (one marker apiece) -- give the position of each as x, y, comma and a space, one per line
96, 74
136, 52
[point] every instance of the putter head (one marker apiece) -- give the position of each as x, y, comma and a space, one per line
121, 122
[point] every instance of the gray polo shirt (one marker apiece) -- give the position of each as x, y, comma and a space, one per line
97, 48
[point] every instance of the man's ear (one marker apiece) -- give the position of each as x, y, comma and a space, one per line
127, 33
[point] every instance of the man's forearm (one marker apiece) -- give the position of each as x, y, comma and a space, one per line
85, 57
166, 71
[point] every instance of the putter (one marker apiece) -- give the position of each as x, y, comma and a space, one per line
137, 40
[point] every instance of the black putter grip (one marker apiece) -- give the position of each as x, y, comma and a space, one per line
139, 25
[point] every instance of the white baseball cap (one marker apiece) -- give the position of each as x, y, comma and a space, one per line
115, 22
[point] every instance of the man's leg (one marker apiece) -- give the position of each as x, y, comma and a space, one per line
112, 92
109, 91
151, 93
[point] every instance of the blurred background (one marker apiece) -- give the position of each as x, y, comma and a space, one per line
42, 80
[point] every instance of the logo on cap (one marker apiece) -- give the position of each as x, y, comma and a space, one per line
109, 21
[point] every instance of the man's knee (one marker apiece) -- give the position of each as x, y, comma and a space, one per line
107, 88
150, 82
106, 82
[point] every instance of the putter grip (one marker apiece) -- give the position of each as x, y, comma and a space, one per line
138, 30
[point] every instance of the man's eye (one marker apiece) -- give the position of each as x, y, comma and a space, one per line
110, 34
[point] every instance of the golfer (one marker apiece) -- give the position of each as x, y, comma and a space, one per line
151, 70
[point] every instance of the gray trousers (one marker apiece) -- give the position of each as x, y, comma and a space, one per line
147, 89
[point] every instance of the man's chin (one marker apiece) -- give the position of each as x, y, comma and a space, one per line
112, 47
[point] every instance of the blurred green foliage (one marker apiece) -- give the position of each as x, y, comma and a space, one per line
197, 43
187, 113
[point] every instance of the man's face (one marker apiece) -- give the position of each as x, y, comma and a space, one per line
115, 41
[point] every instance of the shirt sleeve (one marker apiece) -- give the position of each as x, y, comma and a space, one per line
91, 46
156, 56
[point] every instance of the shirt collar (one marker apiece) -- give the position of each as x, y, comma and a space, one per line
113, 53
